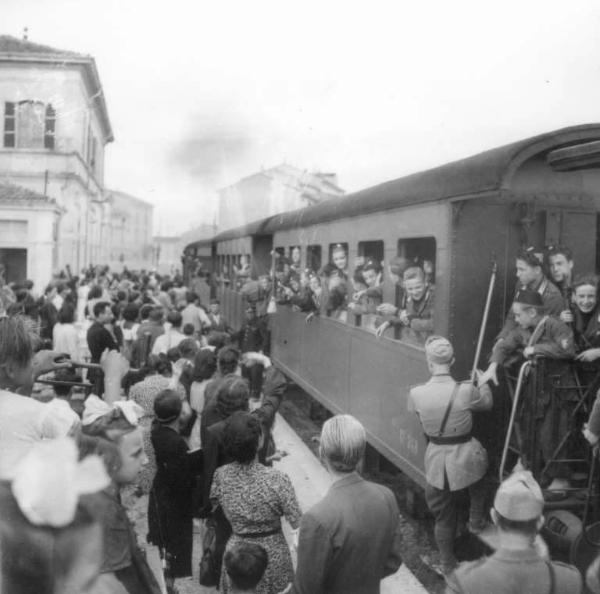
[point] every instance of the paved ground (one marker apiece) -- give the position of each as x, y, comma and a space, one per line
310, 480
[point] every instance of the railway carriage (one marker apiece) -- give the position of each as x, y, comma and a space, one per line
460, 217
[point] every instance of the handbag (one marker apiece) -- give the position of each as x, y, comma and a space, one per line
209, 574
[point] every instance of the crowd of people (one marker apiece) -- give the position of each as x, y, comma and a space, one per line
135, 382
158, 396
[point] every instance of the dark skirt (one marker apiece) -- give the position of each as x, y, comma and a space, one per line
170, 528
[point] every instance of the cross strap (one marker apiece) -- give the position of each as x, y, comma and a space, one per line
448, 409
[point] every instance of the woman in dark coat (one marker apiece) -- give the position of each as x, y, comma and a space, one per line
170, 508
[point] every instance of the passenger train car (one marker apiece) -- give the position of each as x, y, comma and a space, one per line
462, 217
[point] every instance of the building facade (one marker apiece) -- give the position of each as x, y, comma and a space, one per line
28, 227
167, 254
272, 191
54, 127
130, 231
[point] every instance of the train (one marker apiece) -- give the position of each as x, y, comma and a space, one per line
465, 218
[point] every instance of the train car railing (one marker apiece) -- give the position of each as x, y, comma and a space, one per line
549, 402
516, 400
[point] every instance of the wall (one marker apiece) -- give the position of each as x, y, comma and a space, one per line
37, 239
71, 181
131, 232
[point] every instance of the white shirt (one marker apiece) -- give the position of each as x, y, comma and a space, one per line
171, 338
65, 339
192, 314
25, 421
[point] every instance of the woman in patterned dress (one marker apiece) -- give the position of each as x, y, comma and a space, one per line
144, 393
254, 498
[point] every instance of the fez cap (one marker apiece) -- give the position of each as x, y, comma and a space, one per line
527, 297
439, 350
519, 497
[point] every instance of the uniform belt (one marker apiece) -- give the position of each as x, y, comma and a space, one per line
448, 439
258, 534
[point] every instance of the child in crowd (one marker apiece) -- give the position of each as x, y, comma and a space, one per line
245, 564
114, 434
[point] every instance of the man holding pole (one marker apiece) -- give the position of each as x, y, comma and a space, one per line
454, 460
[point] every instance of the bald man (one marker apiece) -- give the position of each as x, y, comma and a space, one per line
454, 460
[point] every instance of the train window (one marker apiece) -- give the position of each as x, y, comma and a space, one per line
370, 250
335, 254
313, 257
419, 251
242, 270
296, 257
416, 308
365, 290
279, 252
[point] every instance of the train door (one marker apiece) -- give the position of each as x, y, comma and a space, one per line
262, 246
575, 230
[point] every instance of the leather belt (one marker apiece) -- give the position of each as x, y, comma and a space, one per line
448, 439
259, 534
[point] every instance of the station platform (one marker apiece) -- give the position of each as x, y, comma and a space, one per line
311, 481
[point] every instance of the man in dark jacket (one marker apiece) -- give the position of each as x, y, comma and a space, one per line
253, 338
99, 339
350, 540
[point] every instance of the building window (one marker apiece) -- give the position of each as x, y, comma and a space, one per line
10, 120
49, 127
91, 151
29, 124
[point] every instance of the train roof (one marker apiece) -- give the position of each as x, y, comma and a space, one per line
485, 172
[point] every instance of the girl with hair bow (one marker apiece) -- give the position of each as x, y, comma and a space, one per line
50, 542
112, 431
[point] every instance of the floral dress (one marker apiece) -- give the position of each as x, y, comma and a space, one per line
144, 393
253, 498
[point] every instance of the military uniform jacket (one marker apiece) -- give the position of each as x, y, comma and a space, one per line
514, 572
463, 463
554, 340
552, 299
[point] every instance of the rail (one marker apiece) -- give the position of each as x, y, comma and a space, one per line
523, 373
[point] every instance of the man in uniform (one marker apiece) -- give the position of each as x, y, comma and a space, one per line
517, 566
534, 334
454, 460
252, 337
530, 275
540, 335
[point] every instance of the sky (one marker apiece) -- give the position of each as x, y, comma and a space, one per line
202, 93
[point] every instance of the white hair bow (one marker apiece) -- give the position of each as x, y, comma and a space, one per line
96, 408
50, 480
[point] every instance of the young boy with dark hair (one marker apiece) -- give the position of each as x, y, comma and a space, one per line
245, 564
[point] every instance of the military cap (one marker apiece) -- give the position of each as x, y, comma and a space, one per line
439, 350
527, 297
519, 497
